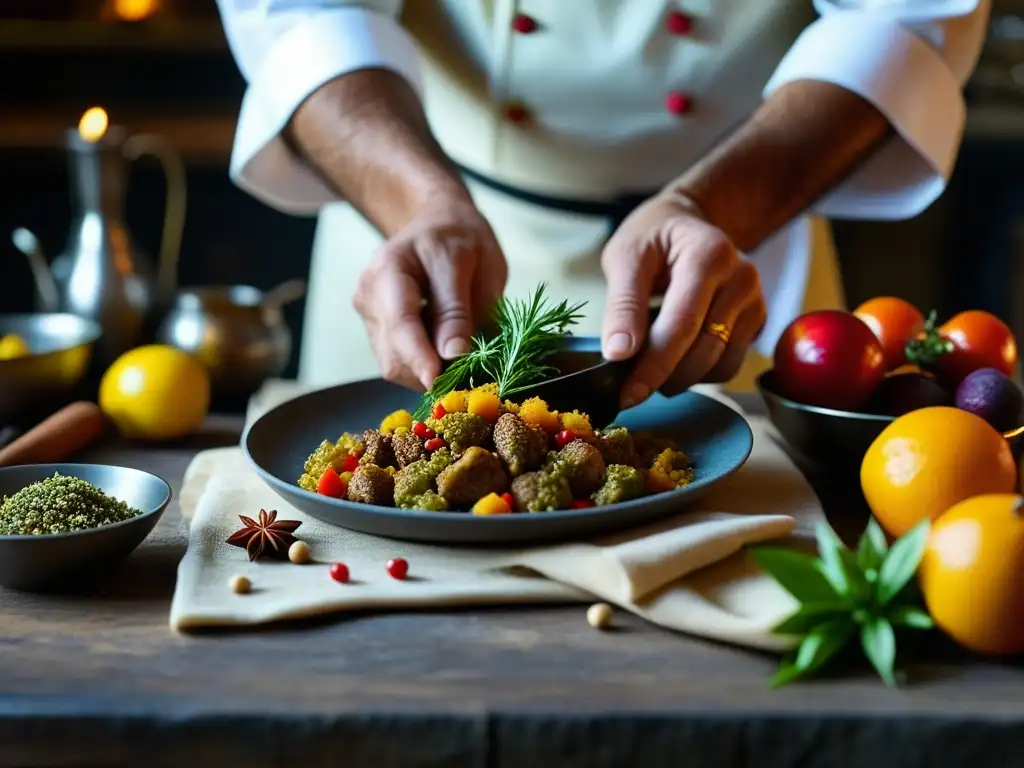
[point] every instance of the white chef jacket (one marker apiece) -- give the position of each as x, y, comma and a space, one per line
604, 97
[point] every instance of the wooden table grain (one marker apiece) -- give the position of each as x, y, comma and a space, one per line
96, 678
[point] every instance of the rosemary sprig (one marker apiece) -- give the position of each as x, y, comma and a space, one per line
844, 593
528, 332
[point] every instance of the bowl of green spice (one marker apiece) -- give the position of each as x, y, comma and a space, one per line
63, 522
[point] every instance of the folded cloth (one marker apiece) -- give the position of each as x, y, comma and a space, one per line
689, 572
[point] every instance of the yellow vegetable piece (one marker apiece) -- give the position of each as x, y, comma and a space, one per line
484, 404
491, 504
455, 402
394, 420
535, 411
511, 407
579, 424
12, 346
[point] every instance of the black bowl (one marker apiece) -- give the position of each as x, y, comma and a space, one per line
833, 441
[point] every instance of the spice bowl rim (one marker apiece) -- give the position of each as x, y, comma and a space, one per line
68, 468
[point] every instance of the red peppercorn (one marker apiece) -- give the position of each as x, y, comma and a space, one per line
351, 463
422, 431
398, 568
331, 484
581, 504
339, 572
435, 443
507, 498
564, 437
438, 412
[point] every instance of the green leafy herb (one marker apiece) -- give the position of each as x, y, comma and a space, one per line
528, 332
843, 593
927, 349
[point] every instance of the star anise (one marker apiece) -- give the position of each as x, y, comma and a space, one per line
269, 536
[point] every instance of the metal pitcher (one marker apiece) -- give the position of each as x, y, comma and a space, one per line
102, 275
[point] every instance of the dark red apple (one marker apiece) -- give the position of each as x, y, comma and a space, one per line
829, 358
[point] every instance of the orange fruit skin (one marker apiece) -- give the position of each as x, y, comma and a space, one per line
930, 459
972, 574
894, 322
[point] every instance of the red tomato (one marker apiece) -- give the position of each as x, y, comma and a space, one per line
331, 484
895, 322
980, 340
830, 359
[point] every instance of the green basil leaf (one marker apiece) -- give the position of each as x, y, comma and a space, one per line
901, 562
823, 642
787, 672
879, 643
910, 616
833, 564
796, 572
872, 547
810, 615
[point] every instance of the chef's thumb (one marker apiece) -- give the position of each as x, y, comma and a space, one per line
452, 310
627, 307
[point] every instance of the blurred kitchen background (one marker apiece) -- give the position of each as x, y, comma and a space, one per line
162, 66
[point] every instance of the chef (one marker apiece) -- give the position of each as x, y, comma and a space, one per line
618, 150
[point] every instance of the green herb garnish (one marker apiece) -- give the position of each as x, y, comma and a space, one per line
528, 332
844, 593
930, 346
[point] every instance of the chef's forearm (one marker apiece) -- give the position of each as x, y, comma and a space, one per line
803, 140
366, 134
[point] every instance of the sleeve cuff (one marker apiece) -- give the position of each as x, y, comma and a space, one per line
910, 83
313, 52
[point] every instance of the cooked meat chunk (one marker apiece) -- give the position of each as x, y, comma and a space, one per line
464, 430
379, 450
616, 446
582, 465
541, 491
621, 483
415, 480
408, 448
372, 485
477, 473
522, 446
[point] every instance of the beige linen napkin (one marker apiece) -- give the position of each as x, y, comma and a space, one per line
688, 573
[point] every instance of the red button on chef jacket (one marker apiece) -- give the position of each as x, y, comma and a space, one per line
516, 113
524, 24
678, 103
678, 23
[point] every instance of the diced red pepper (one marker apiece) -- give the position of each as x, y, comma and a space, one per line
581, 504
438, 411
507, 498
422, 431
434, 444
351, 463
330, 484
564, 437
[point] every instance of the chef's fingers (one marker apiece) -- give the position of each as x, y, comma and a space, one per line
748, 326
406, 355
742, 289
450, 264
489, 282
696, 277
630, 270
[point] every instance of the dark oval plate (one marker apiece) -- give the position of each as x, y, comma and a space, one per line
717, 439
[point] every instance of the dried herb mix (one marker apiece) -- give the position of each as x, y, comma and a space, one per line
60, 504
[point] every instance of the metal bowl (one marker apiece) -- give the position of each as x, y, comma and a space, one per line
50, 561
833, 441
61, 348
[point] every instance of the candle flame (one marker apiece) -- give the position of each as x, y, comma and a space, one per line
135, 10
93, 124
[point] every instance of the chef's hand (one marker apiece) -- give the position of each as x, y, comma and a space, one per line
665, 245
448, 255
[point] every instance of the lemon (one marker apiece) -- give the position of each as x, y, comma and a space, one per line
12, 346
155, 392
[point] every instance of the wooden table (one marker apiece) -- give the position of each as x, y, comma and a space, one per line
98, 679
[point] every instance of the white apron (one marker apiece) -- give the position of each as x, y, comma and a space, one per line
798, 271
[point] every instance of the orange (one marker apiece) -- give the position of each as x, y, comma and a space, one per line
972, 573
155, 392
930, 459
